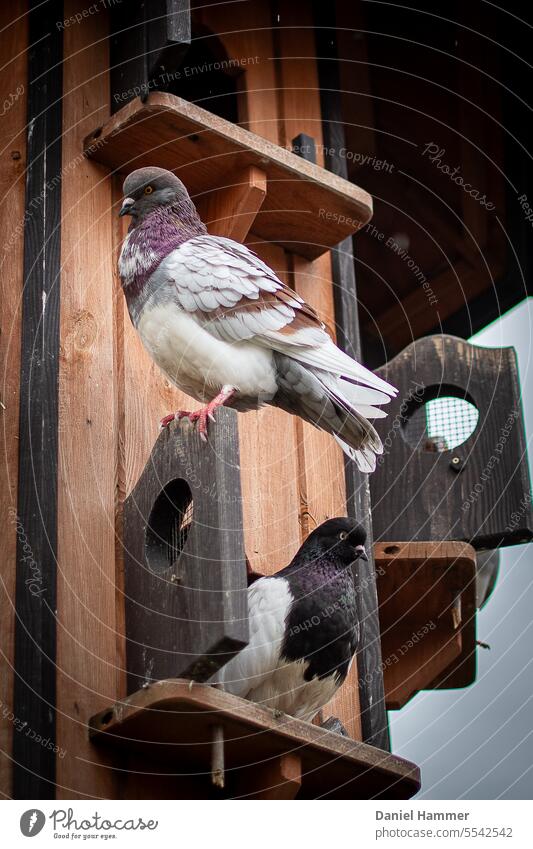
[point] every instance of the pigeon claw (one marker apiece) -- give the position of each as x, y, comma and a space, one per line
201, 416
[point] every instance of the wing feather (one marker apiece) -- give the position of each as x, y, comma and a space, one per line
237, 297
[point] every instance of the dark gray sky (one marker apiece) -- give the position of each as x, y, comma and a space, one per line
477, 743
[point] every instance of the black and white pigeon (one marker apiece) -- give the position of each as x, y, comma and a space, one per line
303, 626
226, 330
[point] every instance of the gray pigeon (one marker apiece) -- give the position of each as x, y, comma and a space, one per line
226, 330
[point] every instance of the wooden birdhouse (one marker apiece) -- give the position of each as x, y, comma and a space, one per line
126, 551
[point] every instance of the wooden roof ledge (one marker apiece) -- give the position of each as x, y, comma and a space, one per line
304, 208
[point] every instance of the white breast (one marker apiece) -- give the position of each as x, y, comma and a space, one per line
259, 674
199, 363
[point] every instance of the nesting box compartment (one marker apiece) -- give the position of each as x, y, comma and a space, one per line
185, 570
473, 488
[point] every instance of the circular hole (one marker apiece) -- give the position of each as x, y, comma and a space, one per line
392, 549
169, 525
441, 420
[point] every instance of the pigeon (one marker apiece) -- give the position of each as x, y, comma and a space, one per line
225, 329
303, 626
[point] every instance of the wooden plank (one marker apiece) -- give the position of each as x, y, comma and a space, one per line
246, 32
169, 715
308, 209
13, 79
269, 478
87, 674
34, 697
231, 210
373, 717
146, 42
269, 467
418, 493
427, 605
168, 30
319, 457
185, 578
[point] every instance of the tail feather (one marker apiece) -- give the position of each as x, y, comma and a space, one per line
357, 437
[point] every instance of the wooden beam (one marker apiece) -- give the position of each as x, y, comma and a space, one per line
231, 210
279, 778
13, 78
370, 676
34, 700
88, 663
147, 41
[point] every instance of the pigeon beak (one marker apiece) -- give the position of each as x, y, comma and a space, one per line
126, 207
361, 552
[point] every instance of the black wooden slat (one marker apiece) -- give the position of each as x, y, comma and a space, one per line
35, 626
371, 693
148, 42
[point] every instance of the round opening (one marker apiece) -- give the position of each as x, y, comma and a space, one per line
441, 420
169, 525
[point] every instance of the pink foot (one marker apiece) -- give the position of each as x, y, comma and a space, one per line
201, 416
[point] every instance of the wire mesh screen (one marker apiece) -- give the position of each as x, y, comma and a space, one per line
441, 424
169, 525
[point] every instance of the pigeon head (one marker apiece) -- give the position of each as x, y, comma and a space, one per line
342, 537
148, 189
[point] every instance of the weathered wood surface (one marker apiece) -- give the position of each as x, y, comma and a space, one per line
147, 41
427, 608
305, 209
320, 459
34, 696
186, 597
88, 664
417, 494
150, 723
368, 676
13, 79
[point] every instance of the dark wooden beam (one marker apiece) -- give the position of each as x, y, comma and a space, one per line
148, 42
374, 721
35, 600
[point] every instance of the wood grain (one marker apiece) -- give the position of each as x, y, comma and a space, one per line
427, 606
308, 210
13, 74
231, 210
87, 675
171, 714
34, 693
417, 494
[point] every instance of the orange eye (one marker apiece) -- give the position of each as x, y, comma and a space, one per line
148, 190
